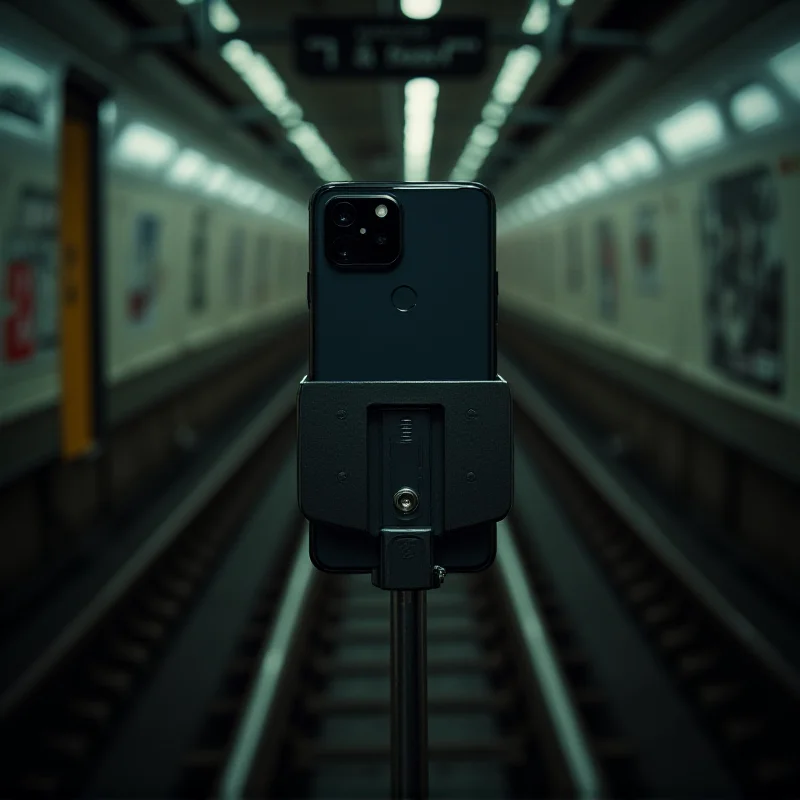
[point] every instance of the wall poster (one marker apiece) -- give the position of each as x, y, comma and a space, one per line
608, 265
29, 280
647, 267
145, 269
198, 262
744, 279
573, 247
235, 272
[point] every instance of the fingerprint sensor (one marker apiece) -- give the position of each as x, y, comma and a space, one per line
404, 298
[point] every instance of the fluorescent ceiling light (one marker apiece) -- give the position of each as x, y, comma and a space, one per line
642, 157
786, 66
616, 167
219, 180
592, 178
565, 2
243, 192
551, 199
420, 9
695, 128
538, 17
568, 190
511, 81
754, 106
143, 146
420, 113
189, 168
515, 73
222, 16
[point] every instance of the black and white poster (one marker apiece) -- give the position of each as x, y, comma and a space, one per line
574, 249
744, 279
198, 262
608, 268
647, 267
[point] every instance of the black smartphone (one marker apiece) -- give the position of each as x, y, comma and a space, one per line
402, 286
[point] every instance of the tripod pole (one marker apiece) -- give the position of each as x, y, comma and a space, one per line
409, 696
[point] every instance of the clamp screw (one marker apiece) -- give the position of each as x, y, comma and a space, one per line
406, 500
341, 414
439, 575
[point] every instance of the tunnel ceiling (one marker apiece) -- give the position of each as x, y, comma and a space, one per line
362, 120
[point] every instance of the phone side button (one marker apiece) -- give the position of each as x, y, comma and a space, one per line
308, 289
496, 297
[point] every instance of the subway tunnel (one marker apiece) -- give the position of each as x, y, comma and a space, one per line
164, 631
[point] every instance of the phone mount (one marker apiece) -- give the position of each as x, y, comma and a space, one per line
406, 462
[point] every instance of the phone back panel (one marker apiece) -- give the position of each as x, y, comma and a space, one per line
357, 332
447, 260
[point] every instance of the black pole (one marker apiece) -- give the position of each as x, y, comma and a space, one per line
409, 740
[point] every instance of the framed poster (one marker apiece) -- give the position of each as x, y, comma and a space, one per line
647, 267
745, 273
29, 280
145, 268
608, 268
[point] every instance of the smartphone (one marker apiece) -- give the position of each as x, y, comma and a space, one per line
402, 286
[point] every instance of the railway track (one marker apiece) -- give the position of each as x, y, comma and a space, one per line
513, 708
743, 693
60, 712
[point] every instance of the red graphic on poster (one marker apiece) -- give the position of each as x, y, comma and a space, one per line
19, 339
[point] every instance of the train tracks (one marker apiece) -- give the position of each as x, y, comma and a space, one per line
519, 703
60, 712
744, 694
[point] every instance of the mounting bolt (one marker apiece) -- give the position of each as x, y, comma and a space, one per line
439, 575
472, 413
341, 414
471, 477
342, 476
406, 500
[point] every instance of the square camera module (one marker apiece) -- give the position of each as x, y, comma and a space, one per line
363, 232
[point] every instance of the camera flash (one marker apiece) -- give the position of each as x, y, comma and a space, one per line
381, 210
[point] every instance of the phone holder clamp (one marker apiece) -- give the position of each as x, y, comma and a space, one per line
406, 462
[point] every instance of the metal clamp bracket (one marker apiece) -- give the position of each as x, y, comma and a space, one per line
405, 461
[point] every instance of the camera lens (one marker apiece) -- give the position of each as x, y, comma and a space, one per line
344, 214
343, 247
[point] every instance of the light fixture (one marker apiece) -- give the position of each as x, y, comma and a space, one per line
420, 9
695, 128
222, 16
754, 107
420, 113
642, 157
219, 180
511, 81
538, 17
786, 67
189, 168
592, 178
616, 167
143, 146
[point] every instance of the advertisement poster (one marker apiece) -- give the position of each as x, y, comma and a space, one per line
646, 265
573, 247
198, 262
145, 269
236, 267
29, 281
744, 279
608, 262
262, 269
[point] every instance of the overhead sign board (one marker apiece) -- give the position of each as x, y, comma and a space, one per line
374, 47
